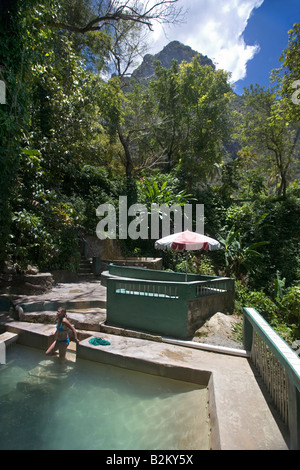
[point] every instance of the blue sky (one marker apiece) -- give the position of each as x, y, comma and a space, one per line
268, 26
244, 37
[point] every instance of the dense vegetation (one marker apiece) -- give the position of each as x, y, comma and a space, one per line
73, 138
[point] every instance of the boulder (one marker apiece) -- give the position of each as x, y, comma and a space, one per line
219, 330
26, 284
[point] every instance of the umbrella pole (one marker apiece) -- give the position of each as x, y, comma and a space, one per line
186, 264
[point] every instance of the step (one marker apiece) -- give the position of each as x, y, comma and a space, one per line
85, 263
52, 305
8, 338
85, 270
82, 319
86, 276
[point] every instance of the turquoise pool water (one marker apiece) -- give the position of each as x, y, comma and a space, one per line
85, 405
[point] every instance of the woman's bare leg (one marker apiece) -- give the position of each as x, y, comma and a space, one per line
52, 348
62, 350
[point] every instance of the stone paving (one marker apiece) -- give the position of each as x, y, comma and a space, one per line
85, 303
75, 293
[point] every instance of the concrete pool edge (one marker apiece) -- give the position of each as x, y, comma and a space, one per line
240, 417
186, 374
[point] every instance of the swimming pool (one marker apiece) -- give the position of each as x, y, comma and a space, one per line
45, 404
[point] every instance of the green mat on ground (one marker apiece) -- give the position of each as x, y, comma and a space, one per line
98, 342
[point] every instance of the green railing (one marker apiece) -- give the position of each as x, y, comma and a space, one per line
214, 286
149, 289
279, 368
155, 275
173, 289
196, 286
162, 302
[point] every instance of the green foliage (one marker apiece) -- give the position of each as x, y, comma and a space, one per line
14, 116
287, 76
279, 285
46, 238
270, 219
192, 103
161, 189
268, 129
239, 259
290, 305
271, 310
263, 304
200, 264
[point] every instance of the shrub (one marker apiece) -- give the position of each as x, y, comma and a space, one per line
290, 306
275, 313
263, 304
197, 265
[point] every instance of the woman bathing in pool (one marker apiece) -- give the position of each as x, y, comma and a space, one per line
61, 335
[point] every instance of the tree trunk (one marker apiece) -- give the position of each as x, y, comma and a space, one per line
128, 160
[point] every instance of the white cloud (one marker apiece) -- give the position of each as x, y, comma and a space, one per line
213, 28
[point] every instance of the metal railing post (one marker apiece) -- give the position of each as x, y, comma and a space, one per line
294, 416
247, 333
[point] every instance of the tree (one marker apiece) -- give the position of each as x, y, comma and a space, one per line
240, 260
267, 129
70, 106
192, 103
169, 133
137, 132
179, 117
287, 77
107, 13
94, 46
127, 45
15, 60
272, 117
54, 115
205, 97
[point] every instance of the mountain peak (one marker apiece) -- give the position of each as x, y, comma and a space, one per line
174, 50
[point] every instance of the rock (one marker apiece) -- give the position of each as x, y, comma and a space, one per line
9, 268
31, 270
296, 347
219, 324
174, 50
83, 319
218, 330
27, 284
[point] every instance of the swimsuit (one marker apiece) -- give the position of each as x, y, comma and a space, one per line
60, 328
64, 341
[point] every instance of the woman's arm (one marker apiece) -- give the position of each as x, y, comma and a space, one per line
72, 328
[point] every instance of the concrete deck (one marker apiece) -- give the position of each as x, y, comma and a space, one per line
246, 420
241, 414
74, 295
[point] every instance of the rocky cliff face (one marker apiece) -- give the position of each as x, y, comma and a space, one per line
173, 50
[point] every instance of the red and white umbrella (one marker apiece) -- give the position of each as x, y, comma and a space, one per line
187, 241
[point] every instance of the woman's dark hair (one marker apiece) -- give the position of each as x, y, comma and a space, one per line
64, 311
